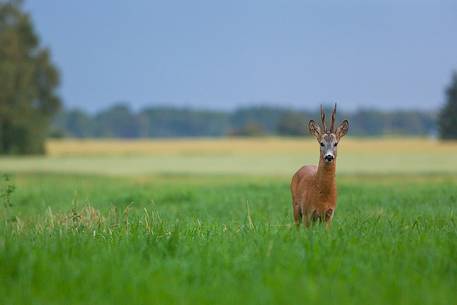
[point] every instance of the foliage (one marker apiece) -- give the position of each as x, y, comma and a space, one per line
293, 124
172, 122
80, 123
28, 81
266, 118
447, 122
120, 122
227, 240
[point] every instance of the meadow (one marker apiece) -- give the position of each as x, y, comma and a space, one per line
209, 222
251, 157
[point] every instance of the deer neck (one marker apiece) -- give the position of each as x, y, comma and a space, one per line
325, 176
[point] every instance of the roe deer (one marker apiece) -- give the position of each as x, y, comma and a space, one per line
313, 187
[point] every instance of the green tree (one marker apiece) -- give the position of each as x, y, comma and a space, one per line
117, 122
28, 82
73, 123
293, 124
447, 120
264, 117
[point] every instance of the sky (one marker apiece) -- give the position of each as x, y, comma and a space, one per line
225, 54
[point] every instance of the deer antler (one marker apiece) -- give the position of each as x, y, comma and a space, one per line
332, 125
324, 128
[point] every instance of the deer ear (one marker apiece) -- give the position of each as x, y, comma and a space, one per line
314, 129
342, 130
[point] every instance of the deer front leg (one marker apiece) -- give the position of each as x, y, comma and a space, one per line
306, 219
297, 214
328, 217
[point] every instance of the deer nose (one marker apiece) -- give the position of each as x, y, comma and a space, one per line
329, 157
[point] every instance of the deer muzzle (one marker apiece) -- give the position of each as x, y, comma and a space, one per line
329, 157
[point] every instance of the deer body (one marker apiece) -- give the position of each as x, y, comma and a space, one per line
313, 188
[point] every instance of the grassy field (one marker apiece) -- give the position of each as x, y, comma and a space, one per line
148, 232
265, 156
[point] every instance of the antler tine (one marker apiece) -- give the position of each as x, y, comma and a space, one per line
323, 119
332, 125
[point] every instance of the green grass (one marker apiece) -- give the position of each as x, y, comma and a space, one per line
209, 239
283, 164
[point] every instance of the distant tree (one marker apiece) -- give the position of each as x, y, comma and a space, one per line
409, 123
181, 122
265, 116
367, 123
117, 122
73, 123
447, 119
28, 82
293, 124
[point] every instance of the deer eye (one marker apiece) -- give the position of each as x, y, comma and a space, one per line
335, 144
322, 144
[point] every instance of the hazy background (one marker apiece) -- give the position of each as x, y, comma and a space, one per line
150, 69
226, 54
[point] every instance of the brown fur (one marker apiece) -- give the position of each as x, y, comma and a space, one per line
313, 187
313, 191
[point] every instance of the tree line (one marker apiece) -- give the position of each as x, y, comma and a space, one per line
120, 121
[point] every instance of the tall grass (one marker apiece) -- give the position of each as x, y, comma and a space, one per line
226, 240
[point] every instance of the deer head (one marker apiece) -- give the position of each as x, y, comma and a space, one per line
328, 138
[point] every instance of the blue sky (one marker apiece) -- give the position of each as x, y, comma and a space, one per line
222, 54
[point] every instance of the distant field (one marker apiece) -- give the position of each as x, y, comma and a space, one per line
264, 156
210, 222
